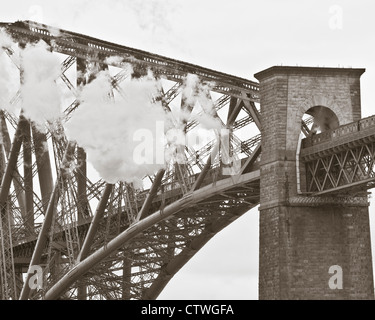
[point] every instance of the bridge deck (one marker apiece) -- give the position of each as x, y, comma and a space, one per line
23, 247
82, 46
343, 138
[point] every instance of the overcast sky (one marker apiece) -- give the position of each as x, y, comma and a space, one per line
240, 37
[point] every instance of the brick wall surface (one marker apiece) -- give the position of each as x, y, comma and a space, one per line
299, 244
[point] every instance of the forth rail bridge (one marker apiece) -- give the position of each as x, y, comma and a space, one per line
307, 158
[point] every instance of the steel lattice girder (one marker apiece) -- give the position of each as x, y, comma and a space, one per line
341, 159
346, 169
157, 250
82, 46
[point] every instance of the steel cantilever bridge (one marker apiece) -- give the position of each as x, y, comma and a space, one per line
96, 240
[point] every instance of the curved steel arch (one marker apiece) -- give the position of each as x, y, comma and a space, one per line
194, 198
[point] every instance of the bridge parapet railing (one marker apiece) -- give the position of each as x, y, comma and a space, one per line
367, 122
344, 130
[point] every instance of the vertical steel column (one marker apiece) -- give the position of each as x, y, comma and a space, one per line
43, 234
4, 133
28, 178
55, 267
81, 175
2, 161
16, 176
6, 254
82, 79
81, 290
7, 271
84, 76
126, 277
44, 166
95, 223
12, 161
18, 277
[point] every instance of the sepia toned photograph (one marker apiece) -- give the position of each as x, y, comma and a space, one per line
206, 152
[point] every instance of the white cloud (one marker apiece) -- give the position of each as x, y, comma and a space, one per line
106, 128
40, 94
9, 75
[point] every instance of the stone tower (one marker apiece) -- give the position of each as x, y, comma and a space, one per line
308, 246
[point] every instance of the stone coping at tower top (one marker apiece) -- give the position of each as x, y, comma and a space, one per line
312, 71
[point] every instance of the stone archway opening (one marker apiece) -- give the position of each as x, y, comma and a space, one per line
319, 119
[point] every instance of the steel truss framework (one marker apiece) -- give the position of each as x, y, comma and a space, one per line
344, 169
342, 160
96, 240
55, 216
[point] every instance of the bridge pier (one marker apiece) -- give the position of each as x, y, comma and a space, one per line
310, 247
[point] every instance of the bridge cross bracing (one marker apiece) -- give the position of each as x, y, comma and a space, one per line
100, 240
